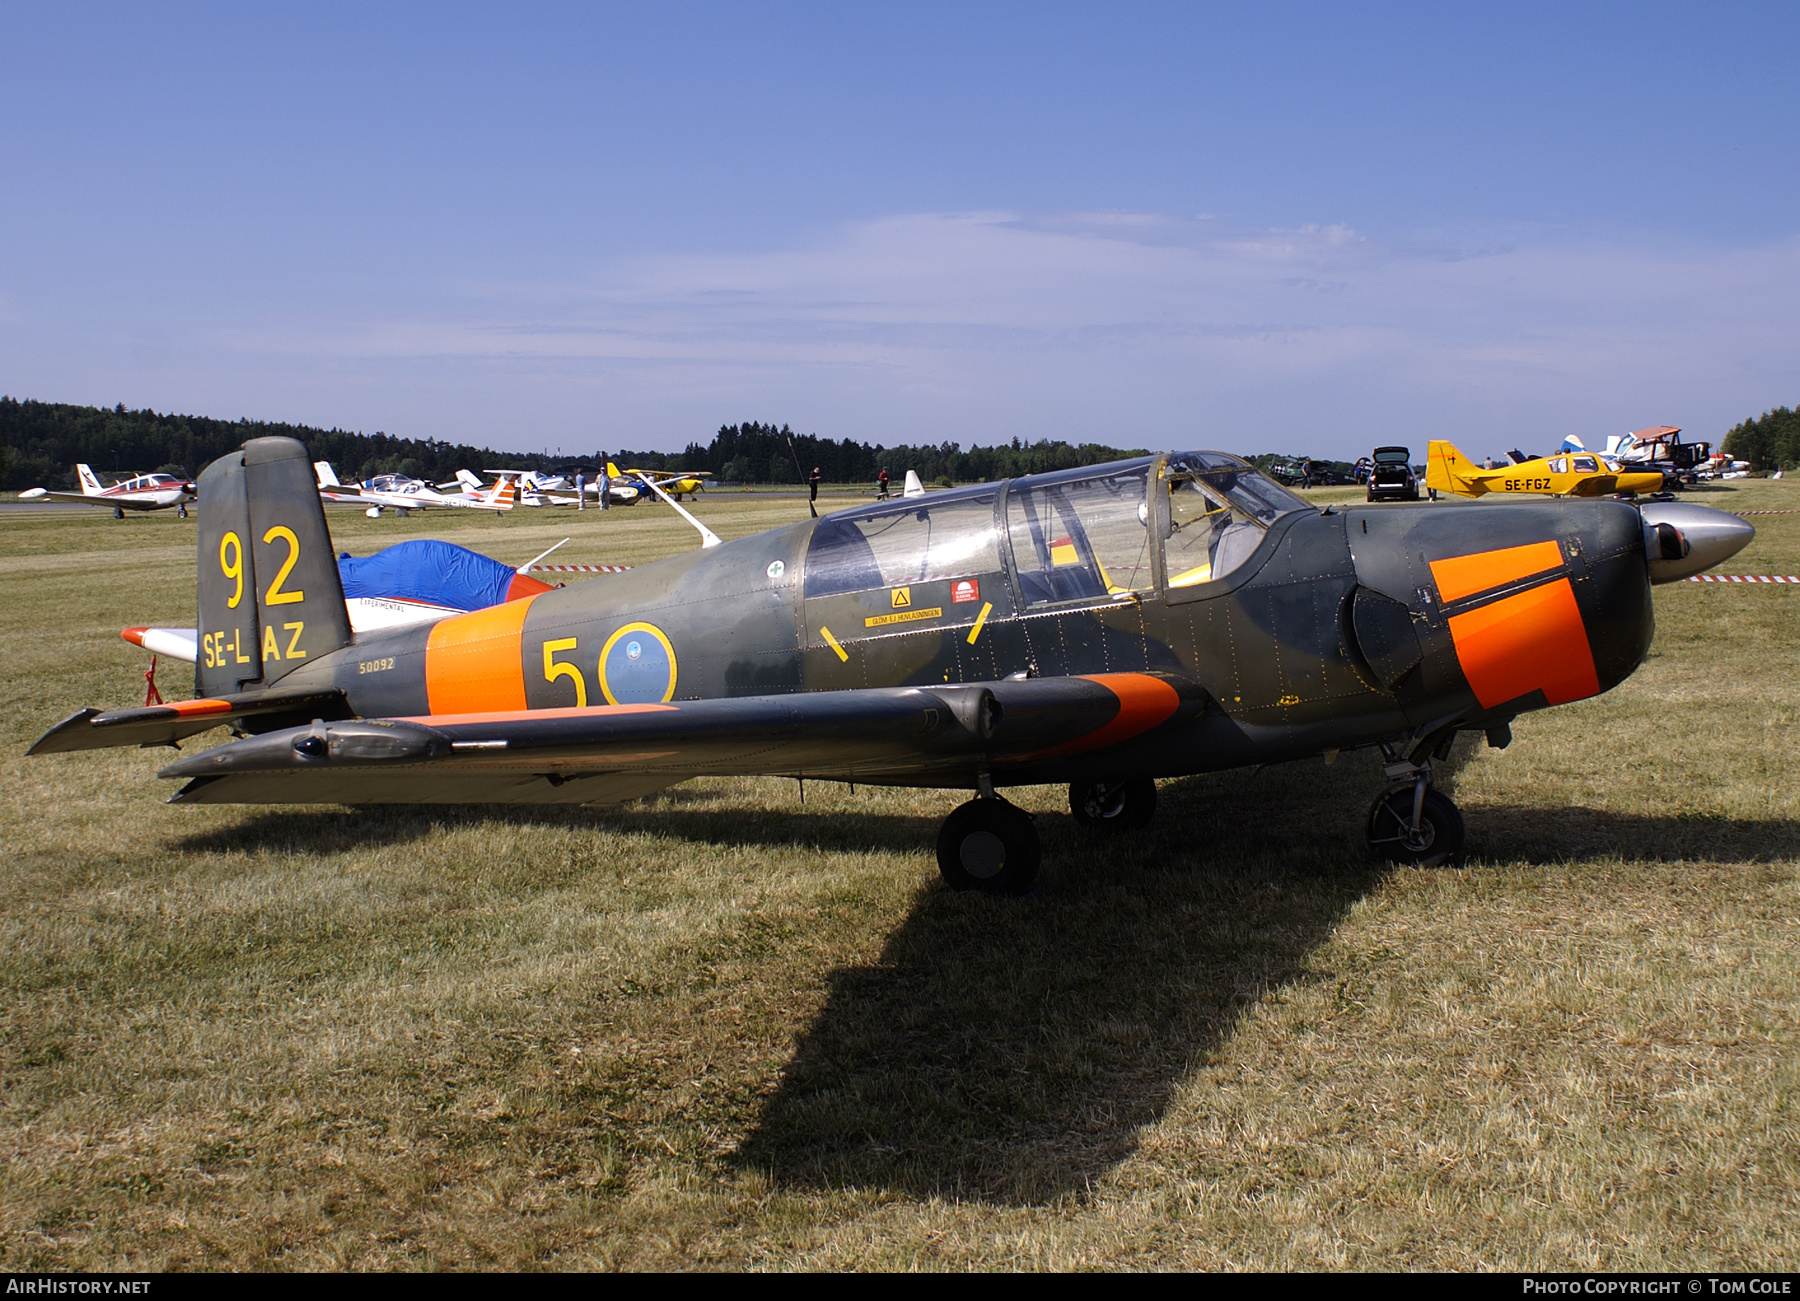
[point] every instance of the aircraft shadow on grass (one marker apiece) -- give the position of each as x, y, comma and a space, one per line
1013, 1050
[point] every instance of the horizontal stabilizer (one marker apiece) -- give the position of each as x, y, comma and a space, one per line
101, 729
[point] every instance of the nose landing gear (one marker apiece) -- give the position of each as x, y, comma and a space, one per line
990, 846
1117, 806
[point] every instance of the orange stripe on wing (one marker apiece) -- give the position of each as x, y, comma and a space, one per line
473, 662
1144, 702
1528, 641
202, 707
1463, 576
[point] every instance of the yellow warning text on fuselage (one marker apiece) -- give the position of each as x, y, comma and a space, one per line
905, 616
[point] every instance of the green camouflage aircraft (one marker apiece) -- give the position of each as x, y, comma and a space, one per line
1100, 627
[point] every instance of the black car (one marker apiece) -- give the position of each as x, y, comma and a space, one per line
1391, 476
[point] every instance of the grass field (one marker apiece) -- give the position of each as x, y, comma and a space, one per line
722, 1028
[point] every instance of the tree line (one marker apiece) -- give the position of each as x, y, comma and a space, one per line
753, 452
40, 443
1769, 442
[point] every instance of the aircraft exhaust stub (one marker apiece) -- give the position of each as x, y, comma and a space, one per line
1112, 624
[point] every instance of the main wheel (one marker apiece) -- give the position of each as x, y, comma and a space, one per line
990, 846
1439, 838
1118, 805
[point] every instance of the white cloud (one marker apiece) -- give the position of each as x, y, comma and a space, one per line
1130, 328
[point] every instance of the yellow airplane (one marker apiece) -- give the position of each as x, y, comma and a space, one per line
676, 485
1567, 474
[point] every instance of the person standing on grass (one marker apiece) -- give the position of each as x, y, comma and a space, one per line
812, 484
1306, 472
881, 485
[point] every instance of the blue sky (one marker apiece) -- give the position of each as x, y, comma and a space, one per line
1304, 228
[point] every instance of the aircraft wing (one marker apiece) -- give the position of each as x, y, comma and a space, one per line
609, 753
87, 499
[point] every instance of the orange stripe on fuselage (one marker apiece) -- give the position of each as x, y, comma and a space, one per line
1463, 576
1534, 639
474, 663
1144, 702
524, 585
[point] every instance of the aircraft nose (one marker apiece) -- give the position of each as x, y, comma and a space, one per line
1682, 539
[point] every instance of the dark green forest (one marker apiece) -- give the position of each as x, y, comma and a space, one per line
1769, 442
42, 441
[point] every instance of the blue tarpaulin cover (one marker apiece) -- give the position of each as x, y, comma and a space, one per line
441, 573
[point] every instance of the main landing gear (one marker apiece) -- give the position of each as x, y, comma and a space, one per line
1412, 824
1113, 806
990, 846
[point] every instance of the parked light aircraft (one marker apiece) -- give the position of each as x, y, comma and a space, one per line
1567, 474
1103, 627
419, 581
403, 495
676, 484
142, 492
534, 489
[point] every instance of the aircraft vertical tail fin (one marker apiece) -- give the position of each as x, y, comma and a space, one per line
326, 476
470, 480
270, 594
1448, 470
612, 471
90, 484
504, 495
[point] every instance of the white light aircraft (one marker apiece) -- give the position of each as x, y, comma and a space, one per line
398, 493
145, 492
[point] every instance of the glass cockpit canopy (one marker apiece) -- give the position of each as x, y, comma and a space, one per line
1220, 508
1074, 534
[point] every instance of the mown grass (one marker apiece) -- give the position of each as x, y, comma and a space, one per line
725, 1028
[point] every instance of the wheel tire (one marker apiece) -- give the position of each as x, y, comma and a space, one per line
1114, 806
990, 846
1441, 829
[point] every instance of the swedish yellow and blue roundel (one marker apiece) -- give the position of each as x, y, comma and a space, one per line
637, 666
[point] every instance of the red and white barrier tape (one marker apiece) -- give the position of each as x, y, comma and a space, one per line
580, 569
1765, 512
1743, 578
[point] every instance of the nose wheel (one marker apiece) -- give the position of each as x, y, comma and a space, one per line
1113, 805
990, 846
1416, 826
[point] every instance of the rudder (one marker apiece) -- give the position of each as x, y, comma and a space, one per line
269, 591
1448, 470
